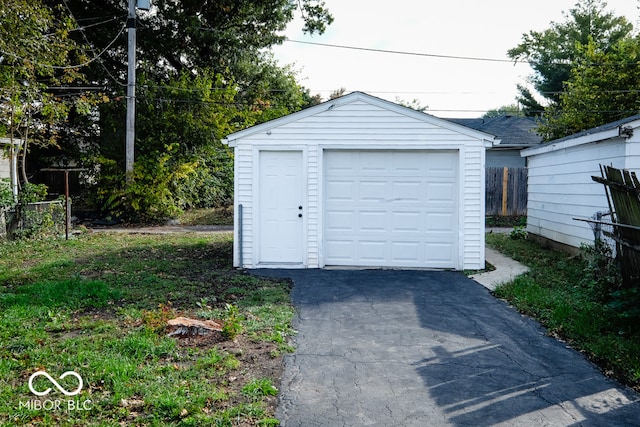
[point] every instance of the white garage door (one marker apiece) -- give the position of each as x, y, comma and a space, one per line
391, 208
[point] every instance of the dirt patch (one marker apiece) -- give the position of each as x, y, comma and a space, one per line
258, 360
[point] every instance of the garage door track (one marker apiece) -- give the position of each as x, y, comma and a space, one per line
432, 348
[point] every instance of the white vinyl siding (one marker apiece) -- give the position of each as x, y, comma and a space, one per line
243, 195
560, 187
473, 207
360, 122
5, 165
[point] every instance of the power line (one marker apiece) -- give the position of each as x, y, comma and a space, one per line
464, 58
280, 105
69, 67
401, 52
83, 27
93, 51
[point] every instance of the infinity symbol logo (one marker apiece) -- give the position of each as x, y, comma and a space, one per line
55, 383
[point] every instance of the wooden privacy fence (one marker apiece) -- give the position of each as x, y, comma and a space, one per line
623, 194
506, 191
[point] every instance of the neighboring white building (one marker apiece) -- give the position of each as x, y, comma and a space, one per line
359, 181
560, 186
9, 161
5, 164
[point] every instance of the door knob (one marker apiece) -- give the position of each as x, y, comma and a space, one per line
299, 215
300, 207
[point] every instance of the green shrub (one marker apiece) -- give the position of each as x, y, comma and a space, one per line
150, 195
6, 195
518, 233
232, 322
601, 272
32, 221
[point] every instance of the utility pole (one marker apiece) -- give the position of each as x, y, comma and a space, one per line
131, 91
131, 84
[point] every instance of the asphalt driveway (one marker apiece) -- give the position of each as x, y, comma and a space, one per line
432, 348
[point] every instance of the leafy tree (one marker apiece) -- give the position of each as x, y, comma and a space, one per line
602, 87
553, 52
272, 90
180, 160
36, 55
512, 109
203, 72
337, 93
185, 36
414, 104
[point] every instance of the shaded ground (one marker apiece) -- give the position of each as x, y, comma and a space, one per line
162, 229
416, 348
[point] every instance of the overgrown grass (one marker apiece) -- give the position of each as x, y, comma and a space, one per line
505, 221
209, 216
560, 294
98, 305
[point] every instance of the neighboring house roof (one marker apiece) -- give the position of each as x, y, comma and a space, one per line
513, 131
361, 97
622, 128
599, 129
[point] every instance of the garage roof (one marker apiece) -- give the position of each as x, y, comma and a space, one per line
232, 139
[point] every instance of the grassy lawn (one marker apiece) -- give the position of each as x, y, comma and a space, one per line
98, 305
561, 293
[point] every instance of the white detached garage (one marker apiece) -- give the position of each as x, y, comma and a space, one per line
359, 181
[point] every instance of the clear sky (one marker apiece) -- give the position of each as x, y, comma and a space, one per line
461, 28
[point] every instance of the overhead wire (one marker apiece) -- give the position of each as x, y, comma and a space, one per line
97, 56
84, 35
401, 52
83, 27
69, 67
456, 57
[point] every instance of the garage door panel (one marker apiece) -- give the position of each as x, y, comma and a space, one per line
340, 190
368, 191
440, 192
391, 208
376, 162
372, 221
408, 164
339, 162
407, 191
406, 252
439, 222
340, 221
440, 254
372, 251
340, 252
406, 222
441, 164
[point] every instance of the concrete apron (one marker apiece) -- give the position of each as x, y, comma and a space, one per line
505, 271
431, 348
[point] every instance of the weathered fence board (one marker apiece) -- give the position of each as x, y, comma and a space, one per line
509, 199
623, 193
